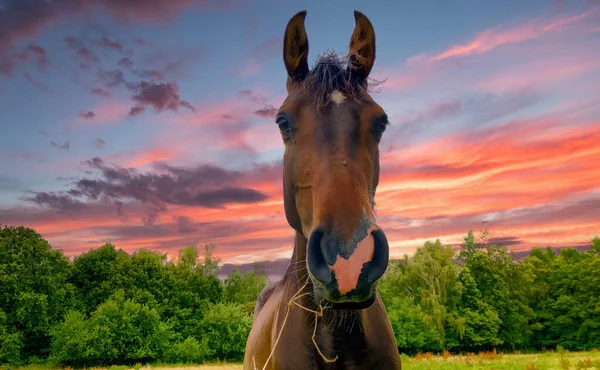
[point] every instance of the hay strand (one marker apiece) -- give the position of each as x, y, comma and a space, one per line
292, 301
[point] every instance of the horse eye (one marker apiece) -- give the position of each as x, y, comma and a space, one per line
380, 124
284, 124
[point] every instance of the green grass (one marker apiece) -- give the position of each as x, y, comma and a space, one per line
497, 361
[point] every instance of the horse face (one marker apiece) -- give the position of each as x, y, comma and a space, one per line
331, 128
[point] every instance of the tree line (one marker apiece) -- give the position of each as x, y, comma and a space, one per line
482, 298
109, 307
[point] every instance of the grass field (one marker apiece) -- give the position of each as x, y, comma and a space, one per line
496, 361
491, 360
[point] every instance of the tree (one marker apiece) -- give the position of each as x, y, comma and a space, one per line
506, 287
596, 245
471, 244
244, 288
225, 328
430, 280
211, 264
476, 321
190, 295
119, 331
34, 293
148, 280
98, 274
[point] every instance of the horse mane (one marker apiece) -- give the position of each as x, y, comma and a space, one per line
333, 72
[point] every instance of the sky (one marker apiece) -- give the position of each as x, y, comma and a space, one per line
150, 124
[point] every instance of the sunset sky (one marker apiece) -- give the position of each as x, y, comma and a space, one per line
151, 123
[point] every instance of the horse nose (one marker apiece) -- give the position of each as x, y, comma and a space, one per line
347, 269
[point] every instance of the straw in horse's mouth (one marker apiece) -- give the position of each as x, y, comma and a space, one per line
291, 303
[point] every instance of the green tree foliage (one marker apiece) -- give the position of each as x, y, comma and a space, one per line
189, 351
565, 298
119, 331
489, 300
471, 244
504, 287
191, 293
225, 327
34, 293
108, 307
97, 274
244, 288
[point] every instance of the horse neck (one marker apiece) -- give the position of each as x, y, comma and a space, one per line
296, 271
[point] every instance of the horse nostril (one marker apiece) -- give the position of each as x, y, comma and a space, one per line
381, 255
316, 260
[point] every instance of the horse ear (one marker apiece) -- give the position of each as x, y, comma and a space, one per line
362, 47
295, 48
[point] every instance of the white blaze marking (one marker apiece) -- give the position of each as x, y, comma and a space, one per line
337, 97
348, 270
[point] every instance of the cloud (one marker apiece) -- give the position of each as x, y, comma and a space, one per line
21, 19
435, 111
107, 112
112, 78
135, 111
532, 49
125, 62
151, 74
141, 42
160, 96
8, 62
60, 203
24, 19
112, 45
472, 110
505, 241
35, 83
495, 37
100, 92
99, 143
87, 114
201, 186
522, 163
82, 52
268, 111
134, 159
514, 227
65, 146
41, 56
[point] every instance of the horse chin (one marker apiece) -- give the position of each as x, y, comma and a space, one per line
351, 305
334, 301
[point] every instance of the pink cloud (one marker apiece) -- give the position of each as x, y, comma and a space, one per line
495, 37
540, 72
151, 156
25, 19
109, 112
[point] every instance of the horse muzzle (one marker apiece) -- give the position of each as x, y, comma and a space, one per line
345, 273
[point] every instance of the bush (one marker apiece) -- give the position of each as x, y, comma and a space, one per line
190, 351
119, 331
225, 328
71, 339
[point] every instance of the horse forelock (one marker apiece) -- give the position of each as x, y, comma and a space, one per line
332, 73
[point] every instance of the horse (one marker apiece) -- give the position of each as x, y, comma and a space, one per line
326, 313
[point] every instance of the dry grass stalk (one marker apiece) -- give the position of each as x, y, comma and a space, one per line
291, 304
